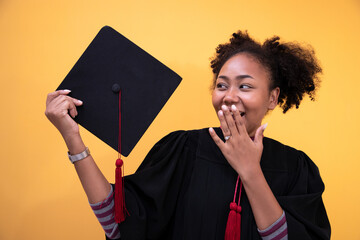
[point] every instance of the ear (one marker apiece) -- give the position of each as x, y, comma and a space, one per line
273, 98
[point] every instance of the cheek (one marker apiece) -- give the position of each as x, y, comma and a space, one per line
256, 107
250, 102
216, 100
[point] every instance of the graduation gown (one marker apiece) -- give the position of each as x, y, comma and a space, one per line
184, 186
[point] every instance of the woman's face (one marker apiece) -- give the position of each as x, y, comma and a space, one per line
244, 82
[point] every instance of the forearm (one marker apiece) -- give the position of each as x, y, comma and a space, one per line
264, 205
93, 181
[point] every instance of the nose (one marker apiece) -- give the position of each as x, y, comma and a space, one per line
231, 97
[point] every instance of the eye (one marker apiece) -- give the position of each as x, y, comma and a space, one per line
221, 86
245, 86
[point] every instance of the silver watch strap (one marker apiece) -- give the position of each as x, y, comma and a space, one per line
79, 156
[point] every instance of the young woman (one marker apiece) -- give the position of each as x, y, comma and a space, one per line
184, 187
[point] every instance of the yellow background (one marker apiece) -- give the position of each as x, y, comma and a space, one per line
41, 197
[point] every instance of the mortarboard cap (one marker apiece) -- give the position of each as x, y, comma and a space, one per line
110, 63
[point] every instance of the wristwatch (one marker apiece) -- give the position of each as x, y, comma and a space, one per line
79, 156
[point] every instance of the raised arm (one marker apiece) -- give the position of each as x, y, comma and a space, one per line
60, 110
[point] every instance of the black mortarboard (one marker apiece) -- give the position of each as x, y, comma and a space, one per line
110, 63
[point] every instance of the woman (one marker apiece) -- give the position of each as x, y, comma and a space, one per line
183, 188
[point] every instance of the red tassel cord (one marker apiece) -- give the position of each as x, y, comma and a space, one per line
233, 226
120, 208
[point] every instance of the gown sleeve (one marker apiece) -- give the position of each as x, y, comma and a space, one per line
151, 193
305, 212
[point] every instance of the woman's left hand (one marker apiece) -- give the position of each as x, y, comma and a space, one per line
242, 153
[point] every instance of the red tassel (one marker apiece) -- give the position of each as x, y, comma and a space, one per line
233, 225
120, 210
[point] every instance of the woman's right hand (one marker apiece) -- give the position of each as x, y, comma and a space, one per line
58, 107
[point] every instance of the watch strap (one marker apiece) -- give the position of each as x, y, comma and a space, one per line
79, 156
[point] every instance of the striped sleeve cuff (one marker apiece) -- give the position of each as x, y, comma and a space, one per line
104, 211
276, 231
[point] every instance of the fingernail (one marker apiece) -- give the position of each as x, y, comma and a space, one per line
79, 101
265, 125
67, 90
224, 107
233, 107
221, 113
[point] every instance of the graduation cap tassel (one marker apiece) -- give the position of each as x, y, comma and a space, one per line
233, 225
119, 193
120, 209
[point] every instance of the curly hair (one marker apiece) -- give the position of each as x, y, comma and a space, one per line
292, 67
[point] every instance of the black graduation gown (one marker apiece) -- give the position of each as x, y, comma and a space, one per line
184, 187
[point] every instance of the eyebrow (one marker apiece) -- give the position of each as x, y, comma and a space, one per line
239, 77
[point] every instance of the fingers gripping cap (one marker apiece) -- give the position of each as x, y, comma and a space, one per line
110, 63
